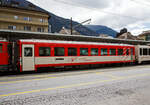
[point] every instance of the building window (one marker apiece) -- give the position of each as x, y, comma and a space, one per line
83, 51
120, 51
27, 18
1, 48
72, 51
27, 28
41, 20
0, 2
59, 51
16, 17
44, 51
104, 51
147, 37
94, 51
40, 29
112, 52
12, 27
28, 51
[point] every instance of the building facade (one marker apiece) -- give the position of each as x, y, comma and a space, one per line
145, 35
14, 18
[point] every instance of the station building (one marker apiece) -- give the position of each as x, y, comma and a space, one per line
14, 16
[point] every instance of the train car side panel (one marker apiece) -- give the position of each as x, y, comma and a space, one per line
4, 57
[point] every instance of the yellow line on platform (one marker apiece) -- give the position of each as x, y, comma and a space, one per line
44, 77
25, 80
61, 87
74, 85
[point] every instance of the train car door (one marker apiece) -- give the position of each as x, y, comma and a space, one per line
28, 57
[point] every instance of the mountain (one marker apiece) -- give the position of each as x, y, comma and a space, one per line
99, 29
56, 22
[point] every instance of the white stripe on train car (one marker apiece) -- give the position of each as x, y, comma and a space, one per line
80, 59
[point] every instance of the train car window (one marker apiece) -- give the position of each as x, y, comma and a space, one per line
127, 51
112, 51
131, 51
59, 51
104, 52
94, 51
1, 48
120, 51
84, 51
149, 51
145, 51
72, 51
141, 51
28, 51
44, 51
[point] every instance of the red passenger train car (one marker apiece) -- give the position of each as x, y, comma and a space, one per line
4, 56
29, 55
34, 54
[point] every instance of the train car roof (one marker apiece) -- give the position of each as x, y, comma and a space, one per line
72, 42
1, 40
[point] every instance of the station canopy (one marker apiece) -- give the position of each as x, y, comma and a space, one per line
12, 35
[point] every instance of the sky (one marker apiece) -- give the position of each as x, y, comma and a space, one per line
116, 14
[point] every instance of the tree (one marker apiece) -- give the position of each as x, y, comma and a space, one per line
122, 31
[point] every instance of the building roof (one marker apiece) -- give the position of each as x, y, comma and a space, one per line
128, 36
144, 33
21, 4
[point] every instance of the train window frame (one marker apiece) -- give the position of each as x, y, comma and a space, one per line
104, 51
111, 53
30, 54
72, 53
96, 52
132, 51
58, 50
145, 51
127, 52
120, 51
141, 51
1, 48
84, 53
45, 53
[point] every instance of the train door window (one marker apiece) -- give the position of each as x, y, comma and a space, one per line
72, 51
94, 51
83, 51
44, 51
141, 51
120, 51
59, 51
127, 51
104, 51
112, 51
1, 48
28, 51
145, 51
